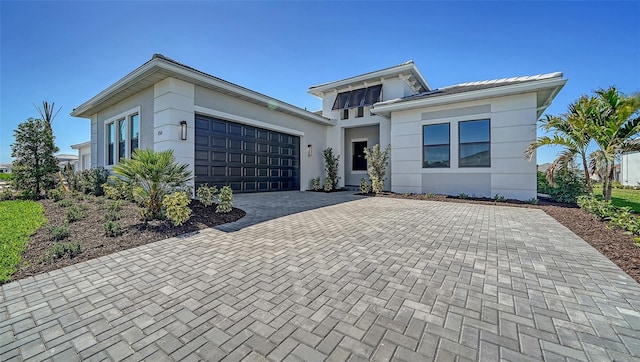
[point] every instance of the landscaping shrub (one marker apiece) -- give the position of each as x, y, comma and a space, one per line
18, 221
112, 228
499, 198
331, 163
65, 203
365, 188
377, 166
570, 185
154, 174
61, 249
56, 194
59, 232
115, 206
532, 201
6, 194
118, 190
176, 207
207, 194
315, 184
75, 213
542, 183
92, 180
226, 200
619, 217
463, 196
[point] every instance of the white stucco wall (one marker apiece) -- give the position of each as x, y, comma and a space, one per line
219, 105
513, 127
630, 169
84, 158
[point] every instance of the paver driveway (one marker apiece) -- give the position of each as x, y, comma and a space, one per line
371, 278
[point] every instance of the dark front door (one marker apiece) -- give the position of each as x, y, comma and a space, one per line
359, 161
249, 159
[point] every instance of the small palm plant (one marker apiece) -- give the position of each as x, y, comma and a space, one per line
154, 174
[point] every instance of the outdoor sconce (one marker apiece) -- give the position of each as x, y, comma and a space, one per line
183, 130
309, 150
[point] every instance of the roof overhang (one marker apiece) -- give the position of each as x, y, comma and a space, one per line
160, 67
81, 145
406, 71
546, 90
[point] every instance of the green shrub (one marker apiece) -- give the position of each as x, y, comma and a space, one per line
112, 216
570, 185
226, 200
18, 221
315, 184
616, 185
118, 189
619, 217
6, 194
59, 232
499, 198
115, 206
176, 207
61, 249
112, 228
331, 163
56, 194
365, 188
377, 166
207, 194
463, 196
65, 203
430, 195
542, 183
75, 213
91, 180
28, 194
154, 175
532, 201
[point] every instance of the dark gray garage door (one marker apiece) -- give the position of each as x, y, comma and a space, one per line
249, 159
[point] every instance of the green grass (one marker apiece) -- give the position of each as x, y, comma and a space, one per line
621, 197
5, 176
18, 221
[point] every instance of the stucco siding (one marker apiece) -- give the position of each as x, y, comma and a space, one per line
371, 134
630, 169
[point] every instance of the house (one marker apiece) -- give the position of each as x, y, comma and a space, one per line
67, 159
630, 169
464, 138
6, 167
84, 155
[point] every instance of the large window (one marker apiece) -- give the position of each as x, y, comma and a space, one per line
475, 143
435, 143
122, 137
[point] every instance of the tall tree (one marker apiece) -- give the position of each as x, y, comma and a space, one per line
571, 131
34, 165
614, 128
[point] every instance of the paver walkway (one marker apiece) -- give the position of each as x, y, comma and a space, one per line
367, 279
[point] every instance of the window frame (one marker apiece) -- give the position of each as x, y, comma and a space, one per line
424, 146
488, 143
115, 122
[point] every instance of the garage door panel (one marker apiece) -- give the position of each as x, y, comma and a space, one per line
247, 158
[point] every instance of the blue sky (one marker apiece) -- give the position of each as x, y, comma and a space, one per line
66, 52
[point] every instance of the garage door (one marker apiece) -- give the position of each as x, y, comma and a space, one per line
249, 159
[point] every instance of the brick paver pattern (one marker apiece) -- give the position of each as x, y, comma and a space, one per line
366, 279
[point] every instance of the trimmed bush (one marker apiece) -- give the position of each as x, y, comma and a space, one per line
226, 200
499, 198
59, 232
315, 184
207, 194
75, 213
65, 203
365, 188
176, 207
56, 194
112, 228
70, 249
377, 166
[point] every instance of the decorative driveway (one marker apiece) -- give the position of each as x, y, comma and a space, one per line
360, 279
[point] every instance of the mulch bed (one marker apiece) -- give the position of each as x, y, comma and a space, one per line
612, 243
89, 231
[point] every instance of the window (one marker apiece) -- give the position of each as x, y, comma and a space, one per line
360, 112
358, 97
474, 143
359, 161
435, 141
135, 131
122, 135
111, 143
344, 114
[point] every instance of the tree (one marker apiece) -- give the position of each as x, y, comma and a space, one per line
571, 131
154, 175
614, 127
331, 163
34, 165
377, 165
46, 112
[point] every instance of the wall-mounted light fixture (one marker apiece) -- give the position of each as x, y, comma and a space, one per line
309, 150
183, 130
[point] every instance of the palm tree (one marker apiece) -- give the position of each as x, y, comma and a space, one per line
153, 174
614, 128
46, 112
571, 131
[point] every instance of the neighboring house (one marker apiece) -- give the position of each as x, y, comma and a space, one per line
65, 159
630, 169
6, 167
544, 167
466, 138
84, 155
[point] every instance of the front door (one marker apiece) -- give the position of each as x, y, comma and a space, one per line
359, 162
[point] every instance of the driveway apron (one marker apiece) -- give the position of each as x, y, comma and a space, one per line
315, 277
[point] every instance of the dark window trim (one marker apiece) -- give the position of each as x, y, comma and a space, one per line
366, 97
424, 147
488, 120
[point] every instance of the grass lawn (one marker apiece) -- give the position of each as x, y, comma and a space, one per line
622, 197
5, 176
18, 221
